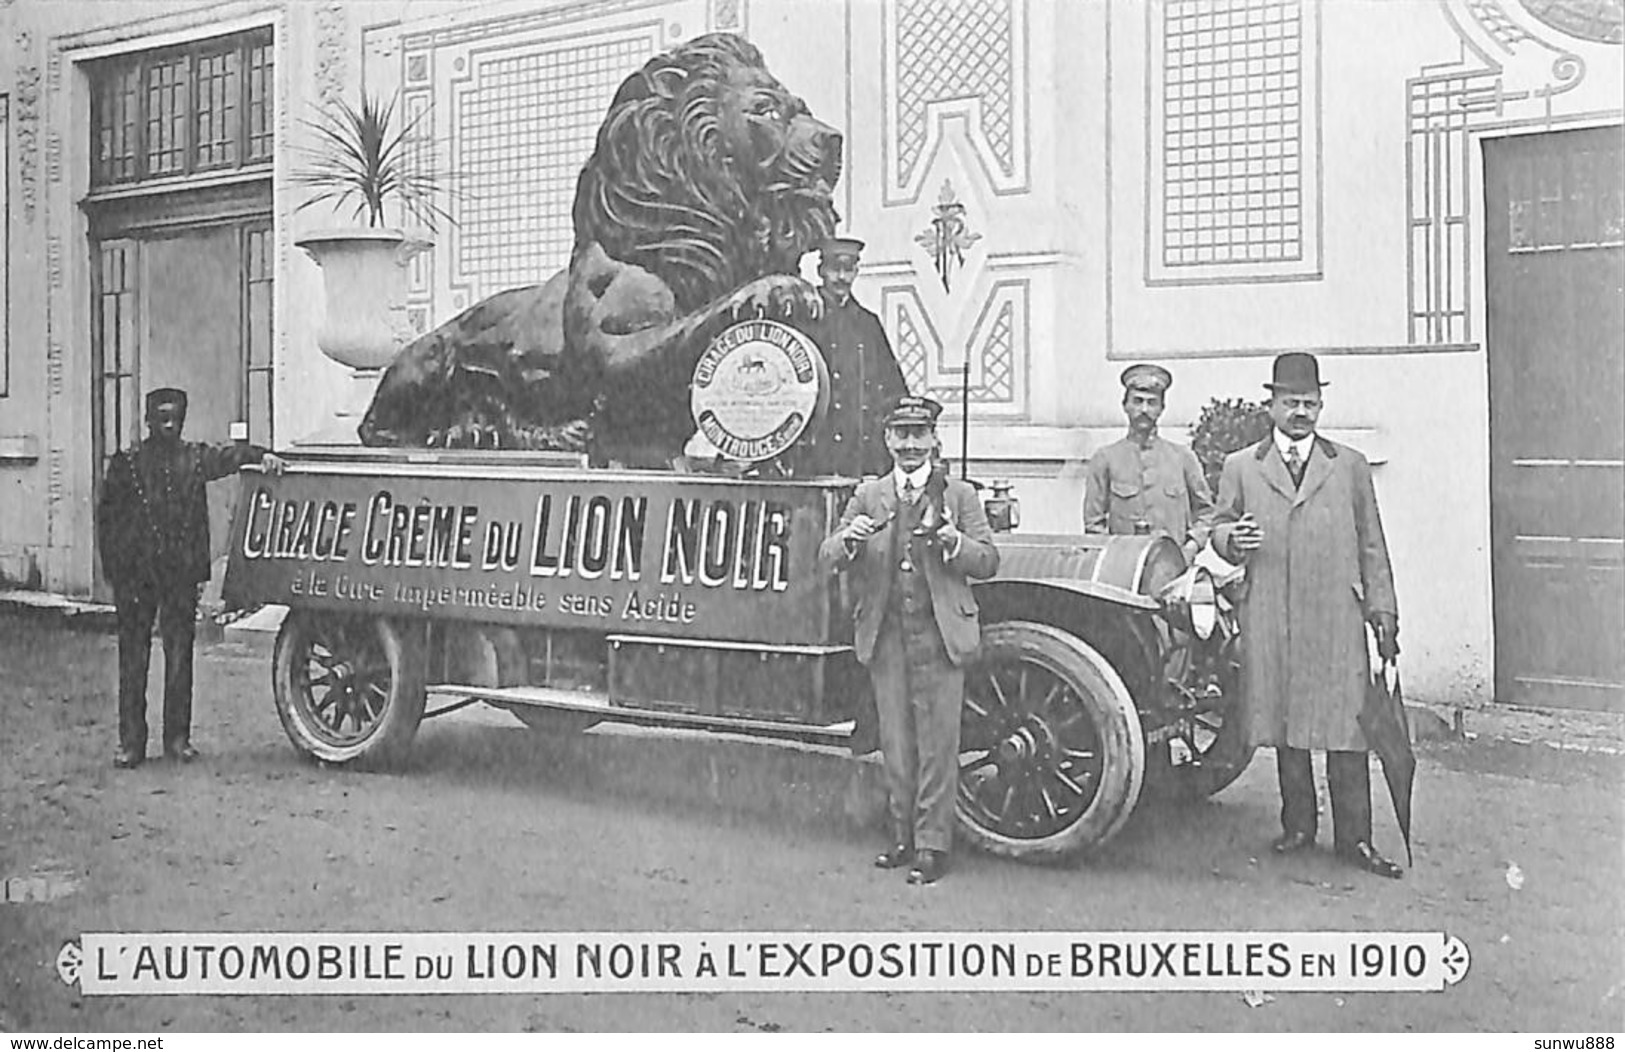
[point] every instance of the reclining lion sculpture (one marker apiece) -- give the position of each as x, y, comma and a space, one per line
708, 183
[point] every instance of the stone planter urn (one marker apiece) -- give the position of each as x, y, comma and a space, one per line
364, 320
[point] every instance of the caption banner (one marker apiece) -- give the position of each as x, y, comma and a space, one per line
694, 962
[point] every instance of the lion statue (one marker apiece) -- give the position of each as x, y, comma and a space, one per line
708, 183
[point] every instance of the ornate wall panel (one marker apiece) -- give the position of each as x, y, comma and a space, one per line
26, 116
1518, 57
947, 60
994, 343
510, 106
1233, 140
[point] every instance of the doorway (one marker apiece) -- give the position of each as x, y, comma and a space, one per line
187, 308
1555, 276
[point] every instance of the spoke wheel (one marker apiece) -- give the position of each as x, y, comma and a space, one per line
1051, 754
1206, 749
347, 688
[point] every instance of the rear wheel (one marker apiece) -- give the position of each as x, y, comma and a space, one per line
1051, 751
348, 689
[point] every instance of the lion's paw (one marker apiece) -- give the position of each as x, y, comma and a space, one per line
467, 434
776, 296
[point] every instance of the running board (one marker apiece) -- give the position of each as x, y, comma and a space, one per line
837, 734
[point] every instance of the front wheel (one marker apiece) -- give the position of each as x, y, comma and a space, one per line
348, 689
1051, 753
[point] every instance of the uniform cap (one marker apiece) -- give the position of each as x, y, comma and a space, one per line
841, 246
912, 409
1147, 377
1295, 371
166, 396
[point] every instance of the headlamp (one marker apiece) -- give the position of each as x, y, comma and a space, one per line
1190, 602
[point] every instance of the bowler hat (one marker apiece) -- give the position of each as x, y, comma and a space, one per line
1147, 377
1295, 371
841, 246
914, 410
166, 396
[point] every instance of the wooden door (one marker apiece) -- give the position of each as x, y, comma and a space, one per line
187, 308
192, 316
1555, 273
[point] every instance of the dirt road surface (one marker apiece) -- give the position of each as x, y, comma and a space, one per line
1519, 853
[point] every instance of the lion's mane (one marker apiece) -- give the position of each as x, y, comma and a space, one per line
662, 190
707, 177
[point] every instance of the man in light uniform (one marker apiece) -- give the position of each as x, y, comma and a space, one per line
1143, 483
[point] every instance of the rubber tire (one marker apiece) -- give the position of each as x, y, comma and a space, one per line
1116, 720
390, 739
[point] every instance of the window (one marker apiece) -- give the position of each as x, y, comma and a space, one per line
204, 107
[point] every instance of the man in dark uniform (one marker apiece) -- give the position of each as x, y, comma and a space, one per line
913, 538
1143, 483
152, 528
864, 378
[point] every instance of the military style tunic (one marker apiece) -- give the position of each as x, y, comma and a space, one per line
1157, 487
153, 521
865, 380
152, 527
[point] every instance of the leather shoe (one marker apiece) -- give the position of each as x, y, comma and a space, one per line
128, 759
929, 867
1364, 856
895, 857
181, 752
1287, 843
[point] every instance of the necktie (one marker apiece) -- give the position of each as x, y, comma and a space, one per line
1294, 464
910, 492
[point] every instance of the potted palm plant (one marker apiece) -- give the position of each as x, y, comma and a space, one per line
361, 160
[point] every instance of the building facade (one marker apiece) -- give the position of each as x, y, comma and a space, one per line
1425, 193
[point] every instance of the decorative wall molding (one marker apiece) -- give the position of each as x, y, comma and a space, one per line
26, 96
993, 339
55, 370
332, 46
53, 157
513, 97
1511, 67
954, 62
53, 261
729, 16
217, 19
450, 30
948, 236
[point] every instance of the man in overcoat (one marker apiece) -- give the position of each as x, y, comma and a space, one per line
864, 377
1301, 512
152, 529
1143, 483
912, 540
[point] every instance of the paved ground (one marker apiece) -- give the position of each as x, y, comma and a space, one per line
1520, 853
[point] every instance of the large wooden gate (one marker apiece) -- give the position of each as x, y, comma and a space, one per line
1554, 232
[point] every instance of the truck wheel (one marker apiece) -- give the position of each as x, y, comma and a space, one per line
1051, 754
348, 689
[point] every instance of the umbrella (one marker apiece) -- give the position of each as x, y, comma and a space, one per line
1382, 721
